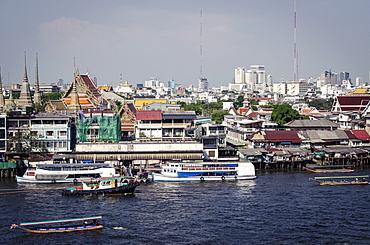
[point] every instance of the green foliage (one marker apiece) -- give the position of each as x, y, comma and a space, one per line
284, 113
118, 105
239, 102
182, 103
218, 115
38, 108
207, 109
269, 105
321, 104
46, 97
210, 107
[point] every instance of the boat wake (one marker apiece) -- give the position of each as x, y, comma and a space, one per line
118, 228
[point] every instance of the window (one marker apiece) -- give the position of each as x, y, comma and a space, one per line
2, 122
49, 133
63, 133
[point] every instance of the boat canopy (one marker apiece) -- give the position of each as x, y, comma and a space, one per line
331, 166
60, 221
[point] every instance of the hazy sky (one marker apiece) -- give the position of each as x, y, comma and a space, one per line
141, 39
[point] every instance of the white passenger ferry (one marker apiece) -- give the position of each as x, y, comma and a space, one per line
205, 171
65, 173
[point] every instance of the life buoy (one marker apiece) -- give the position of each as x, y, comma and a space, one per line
201, 179
75, 180
223, 177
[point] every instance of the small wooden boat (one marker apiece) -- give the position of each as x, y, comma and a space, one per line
343, 180
85, 226
104, 186
330, 169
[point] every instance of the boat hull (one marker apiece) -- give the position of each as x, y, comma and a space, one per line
331, 170
22, 180
342, 183
63, 229
160, 177
125, 189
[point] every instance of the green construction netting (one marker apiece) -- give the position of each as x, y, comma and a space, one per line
7, 165
109, 128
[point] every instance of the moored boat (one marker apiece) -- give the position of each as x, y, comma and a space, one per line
343, 180
85, 226
205, 171
65, 173
104, 186
330, 169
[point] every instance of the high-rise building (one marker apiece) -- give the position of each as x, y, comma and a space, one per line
330, 78
359, 82
256, 77
202, 84
343, 76
240, 75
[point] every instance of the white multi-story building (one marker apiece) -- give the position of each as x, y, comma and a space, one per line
256, 78
240, 75
296, 88
280, 88
52, 131
359, 82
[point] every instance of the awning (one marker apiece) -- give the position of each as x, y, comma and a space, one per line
139, 156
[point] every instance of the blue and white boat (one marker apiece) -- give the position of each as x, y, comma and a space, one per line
205, 171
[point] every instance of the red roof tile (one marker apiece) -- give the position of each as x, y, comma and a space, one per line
361, 134
149, 115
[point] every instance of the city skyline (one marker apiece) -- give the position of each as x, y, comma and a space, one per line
161, 39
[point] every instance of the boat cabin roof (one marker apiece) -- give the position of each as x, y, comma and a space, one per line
73, 165
61, 221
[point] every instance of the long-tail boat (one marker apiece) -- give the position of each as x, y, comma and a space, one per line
116, 185
330, 169
88, 223
343, 180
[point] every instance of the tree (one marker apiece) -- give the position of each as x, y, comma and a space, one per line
25, 144
118, 105
218, 116
321, 104
284, 113
239, 102
46, 97
193, 107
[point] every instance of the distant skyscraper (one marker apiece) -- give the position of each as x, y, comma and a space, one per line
60, 82
329, 78
256, 78
343, 76
202, 84
359, 82
240, 75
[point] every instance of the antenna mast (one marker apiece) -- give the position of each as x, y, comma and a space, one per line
295, 43
201, 48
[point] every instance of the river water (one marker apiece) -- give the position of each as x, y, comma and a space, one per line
275, 208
